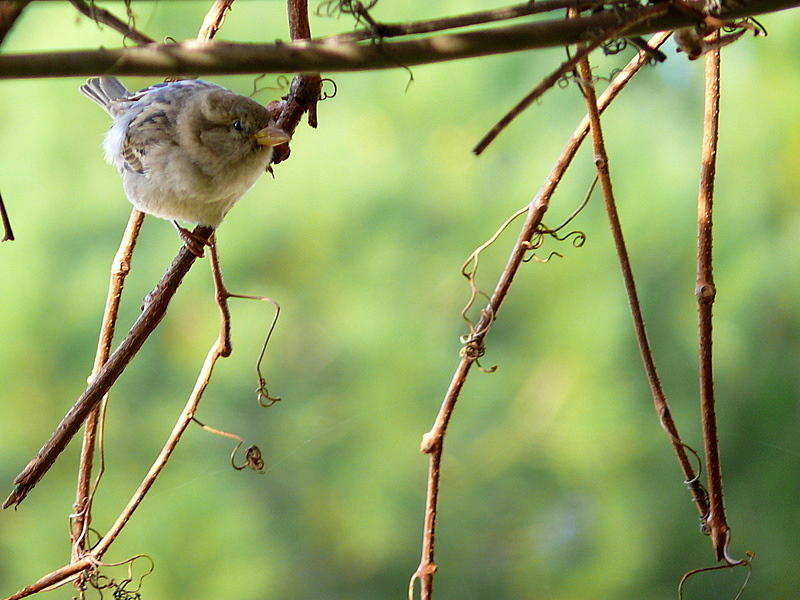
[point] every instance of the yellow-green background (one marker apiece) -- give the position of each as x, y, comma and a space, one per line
558, 481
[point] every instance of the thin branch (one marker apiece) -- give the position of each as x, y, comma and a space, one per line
119, 271
100, 15
543, 197
56, 578
153, 311
8, 233
214, 19
221, 348
705, 292
432, 442
299, 26
221, 295
657, 390
549, 81
427, 566
326, 54
387, 30
305, 89
155, 307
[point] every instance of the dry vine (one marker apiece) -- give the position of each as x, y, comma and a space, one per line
712, 512
108, 366
613, 21
432, 442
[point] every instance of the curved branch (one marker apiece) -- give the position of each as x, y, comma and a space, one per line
331, 54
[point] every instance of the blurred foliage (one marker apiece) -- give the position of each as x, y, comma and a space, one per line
558, 481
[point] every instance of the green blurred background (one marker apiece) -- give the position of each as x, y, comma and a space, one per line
558, 481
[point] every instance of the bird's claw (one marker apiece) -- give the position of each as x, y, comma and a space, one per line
193, 242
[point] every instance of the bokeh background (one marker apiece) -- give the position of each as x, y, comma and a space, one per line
558, 481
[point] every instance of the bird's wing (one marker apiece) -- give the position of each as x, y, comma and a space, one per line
147, 129
150, 120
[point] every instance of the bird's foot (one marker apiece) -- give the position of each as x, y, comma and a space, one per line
194, 243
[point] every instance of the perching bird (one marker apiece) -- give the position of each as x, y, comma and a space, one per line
187, 150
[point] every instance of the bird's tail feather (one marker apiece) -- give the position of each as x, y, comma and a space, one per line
105, 91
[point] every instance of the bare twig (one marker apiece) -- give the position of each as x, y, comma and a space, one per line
221, 348
100, 15
56, 578
544, 195
8, 233
432, 442
326, 54
221, 295
741, 563
427, 566
93, 556
183, 422
214, 19
388, 30
119, 271
659, 397
299, 26
705, 292
155, 307
305, 89
566, 67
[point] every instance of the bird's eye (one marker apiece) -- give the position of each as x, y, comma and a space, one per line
238, 125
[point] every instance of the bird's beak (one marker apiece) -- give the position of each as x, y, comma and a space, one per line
271, 135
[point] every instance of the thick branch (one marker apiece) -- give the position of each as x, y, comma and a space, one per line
196, 58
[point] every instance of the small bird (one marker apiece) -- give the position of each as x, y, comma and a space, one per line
187, 150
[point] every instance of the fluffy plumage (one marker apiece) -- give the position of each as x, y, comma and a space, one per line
187, 150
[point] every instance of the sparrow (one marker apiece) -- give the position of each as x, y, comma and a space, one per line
187, 150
